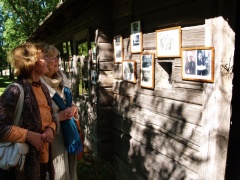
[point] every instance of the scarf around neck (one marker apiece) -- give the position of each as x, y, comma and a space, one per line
53, 82
69, 128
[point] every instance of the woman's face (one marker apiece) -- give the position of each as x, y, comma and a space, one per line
199, 55
41, 66
56, 65
52, 64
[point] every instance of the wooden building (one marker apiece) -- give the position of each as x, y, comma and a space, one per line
180, 126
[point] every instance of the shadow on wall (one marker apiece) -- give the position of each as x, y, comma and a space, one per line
156, 137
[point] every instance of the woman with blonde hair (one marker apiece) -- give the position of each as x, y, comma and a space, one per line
37, 124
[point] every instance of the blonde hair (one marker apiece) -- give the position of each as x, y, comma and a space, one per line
51, 51
24, 57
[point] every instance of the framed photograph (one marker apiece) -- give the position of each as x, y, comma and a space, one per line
94, 76
129, 71
169, 42
147, 70
198, 64
118, 49
94, 55
136, 37
67, 66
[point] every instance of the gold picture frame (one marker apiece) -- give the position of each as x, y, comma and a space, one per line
168, 42
118, 49
198, 64
136, 37
147, 68
129, 68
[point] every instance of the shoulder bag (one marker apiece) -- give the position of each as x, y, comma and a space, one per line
13, 153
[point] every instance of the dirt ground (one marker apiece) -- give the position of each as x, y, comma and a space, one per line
91, 168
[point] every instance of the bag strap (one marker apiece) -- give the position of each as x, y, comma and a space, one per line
19, 106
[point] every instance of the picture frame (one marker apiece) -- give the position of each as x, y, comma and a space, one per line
129, 68
94, 55
93, 76
136, 37
118, 49
198, 64
147, 69
169, 42
67, 66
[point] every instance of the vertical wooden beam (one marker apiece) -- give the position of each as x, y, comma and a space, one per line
217, 97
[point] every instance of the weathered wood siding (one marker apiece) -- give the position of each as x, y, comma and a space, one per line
178, 130
166, 121
103, 41
161, 133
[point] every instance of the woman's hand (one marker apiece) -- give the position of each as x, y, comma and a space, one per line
48, 135
68, 113
35, 140
74, 110
65, 114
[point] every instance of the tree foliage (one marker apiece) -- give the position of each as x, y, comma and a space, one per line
22, 18
19, 19
3, 62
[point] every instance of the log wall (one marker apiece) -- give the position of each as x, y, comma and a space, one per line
178, 130
166, 121
161, 133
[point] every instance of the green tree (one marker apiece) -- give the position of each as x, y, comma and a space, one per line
19, 19
23, 17
3, 62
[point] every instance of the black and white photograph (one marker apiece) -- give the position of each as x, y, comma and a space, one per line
198, 64
94, 55
169, 42
94, 76
129, 71
190, 62
118, 49
147, 70
136, 37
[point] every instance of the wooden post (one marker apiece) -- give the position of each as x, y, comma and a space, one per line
217, 101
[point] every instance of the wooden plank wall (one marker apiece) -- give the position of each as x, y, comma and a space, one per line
98, 117
160, 133
104, 93
159, 129
157, 133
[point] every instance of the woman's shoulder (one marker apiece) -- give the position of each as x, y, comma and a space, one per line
10, 95
14, 87
44, 87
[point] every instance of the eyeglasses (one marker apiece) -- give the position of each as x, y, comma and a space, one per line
54, 58
51, 58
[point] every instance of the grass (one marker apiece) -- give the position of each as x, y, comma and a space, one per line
4, 81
